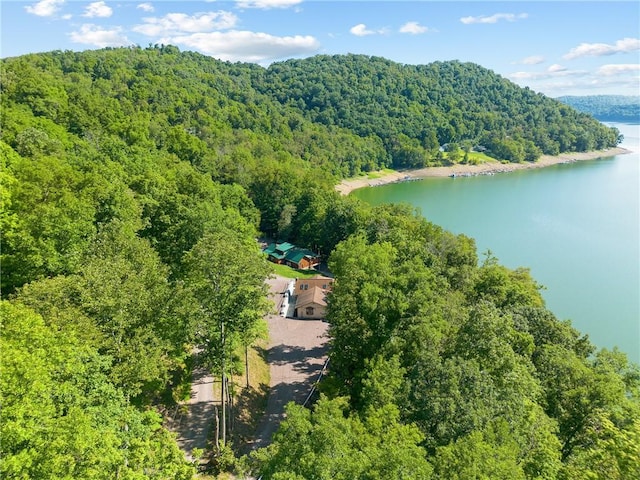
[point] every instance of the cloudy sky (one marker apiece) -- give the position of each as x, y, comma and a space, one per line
557, 48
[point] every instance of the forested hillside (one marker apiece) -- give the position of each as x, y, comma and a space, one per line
416, 109
608, 108
134, 185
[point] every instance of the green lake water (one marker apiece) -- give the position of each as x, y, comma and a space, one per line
576, 226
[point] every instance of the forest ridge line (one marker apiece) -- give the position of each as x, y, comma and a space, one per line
135, 183
380, 113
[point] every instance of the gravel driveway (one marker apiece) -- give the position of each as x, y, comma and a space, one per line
297, 352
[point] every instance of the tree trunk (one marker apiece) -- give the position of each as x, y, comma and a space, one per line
246, 363
230, 400
223, 392
217, 430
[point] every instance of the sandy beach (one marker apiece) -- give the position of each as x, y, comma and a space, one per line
348, 185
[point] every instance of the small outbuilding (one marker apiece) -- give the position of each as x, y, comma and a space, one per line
311, 305
288, 254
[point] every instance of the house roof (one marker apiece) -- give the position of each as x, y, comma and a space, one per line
322, 277
297, 254
315, 295
284, 246
316, 281
278, 250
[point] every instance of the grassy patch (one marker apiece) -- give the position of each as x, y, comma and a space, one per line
480, 157
379, 173
250, 402
473, 158
372, 175
288, 272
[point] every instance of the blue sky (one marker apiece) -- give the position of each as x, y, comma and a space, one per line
557, 48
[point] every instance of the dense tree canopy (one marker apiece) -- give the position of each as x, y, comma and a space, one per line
134, 184
63, 418
405, 105
346, 113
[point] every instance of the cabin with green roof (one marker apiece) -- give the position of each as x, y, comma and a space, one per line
288, 254
277, 251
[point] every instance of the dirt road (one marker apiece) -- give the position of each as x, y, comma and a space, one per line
192, 427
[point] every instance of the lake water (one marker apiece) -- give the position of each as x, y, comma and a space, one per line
576, 226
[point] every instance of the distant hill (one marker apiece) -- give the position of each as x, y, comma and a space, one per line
607, 108
413, 108
346, 113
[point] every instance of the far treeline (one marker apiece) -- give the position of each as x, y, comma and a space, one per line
134, 185
607, 108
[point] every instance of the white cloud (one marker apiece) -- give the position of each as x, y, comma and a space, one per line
44, 8
587, 85
247, 46
532, 60
495, 18
91, 34
524, 75
98, 9
177, 23
361, 30
625, 45
413, 27
618, 69
554, 71
146, 7
557, 80
555, 68
267, 4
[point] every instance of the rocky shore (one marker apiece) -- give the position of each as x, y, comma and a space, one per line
488, 168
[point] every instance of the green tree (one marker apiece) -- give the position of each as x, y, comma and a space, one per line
612, 453
454, 153
576, 394
128, 309
226, 275
505, 287
284, 222
53, 220
484, 454
331, 444
62, 418
358, 310
179, 206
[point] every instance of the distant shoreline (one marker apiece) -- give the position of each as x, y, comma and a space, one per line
488, 168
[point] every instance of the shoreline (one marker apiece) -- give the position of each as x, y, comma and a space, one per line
346, 186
